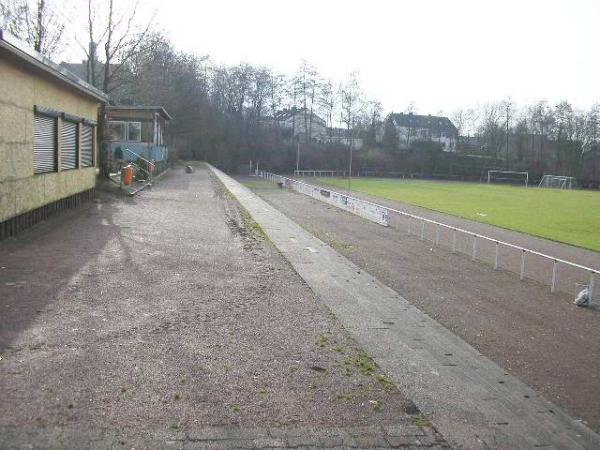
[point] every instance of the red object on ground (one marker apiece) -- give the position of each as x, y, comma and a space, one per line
127, 175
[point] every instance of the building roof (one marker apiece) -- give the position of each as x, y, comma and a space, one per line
287, 113
22, 52
159, 109
411, 120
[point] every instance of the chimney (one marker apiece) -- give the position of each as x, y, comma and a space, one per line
91, 64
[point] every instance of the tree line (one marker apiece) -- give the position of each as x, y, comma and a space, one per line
541, 137
225, 113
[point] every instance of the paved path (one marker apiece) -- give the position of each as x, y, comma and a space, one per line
471, 400
164, 321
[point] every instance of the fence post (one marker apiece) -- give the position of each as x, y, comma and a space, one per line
474, 254
522, 275
591, 286
496, 257
553, 285
422, 229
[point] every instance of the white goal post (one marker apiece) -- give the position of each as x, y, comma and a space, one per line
557, 182
508, 176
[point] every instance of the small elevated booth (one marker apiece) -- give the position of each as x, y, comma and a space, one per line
136, 134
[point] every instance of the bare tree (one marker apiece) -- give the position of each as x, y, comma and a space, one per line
471, 121
276, 93
541, 119
459, 119
411, 108
507, 105
327, 104
306, 84
351, 96
373, 121
119, 33
38, 25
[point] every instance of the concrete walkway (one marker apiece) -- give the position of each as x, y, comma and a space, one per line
471, 400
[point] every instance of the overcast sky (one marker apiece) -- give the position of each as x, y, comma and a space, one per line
441, 54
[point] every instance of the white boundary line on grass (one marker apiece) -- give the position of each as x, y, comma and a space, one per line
289, 181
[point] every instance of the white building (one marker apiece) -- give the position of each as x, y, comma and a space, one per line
411, 128
298, 121
340, 136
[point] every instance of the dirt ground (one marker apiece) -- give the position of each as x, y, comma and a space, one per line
169, 312
539, 337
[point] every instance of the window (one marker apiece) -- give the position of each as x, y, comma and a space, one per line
76, 141
125, 131
117, 131
87, 145
44, 144
68, 145
134, 131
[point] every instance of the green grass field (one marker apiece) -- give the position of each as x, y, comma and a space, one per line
572, 217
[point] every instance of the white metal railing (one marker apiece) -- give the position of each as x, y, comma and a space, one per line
147, 171
319, 173
310, 189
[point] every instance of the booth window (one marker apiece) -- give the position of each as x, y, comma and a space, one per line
134, 131
117, 130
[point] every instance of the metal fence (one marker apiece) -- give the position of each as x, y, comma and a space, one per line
559, 274
319, 173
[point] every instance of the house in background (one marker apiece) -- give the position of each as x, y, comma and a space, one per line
92, 71
48, 126
411, 128
297, 122
139, 131
340, 136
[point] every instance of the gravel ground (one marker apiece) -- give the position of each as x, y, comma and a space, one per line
169, 313
541, 338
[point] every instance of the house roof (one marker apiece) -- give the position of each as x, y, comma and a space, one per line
285, 114
411, 120
79, 69
35, 60
159, 109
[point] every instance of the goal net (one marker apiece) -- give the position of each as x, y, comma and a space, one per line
508, 176
557, 182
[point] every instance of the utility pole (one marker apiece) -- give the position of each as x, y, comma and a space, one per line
298, 158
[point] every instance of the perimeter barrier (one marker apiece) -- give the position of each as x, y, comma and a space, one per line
501, 255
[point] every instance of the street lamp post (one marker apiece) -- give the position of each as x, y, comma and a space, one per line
507, 119
349, 164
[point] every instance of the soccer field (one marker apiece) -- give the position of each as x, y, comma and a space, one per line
568, 216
